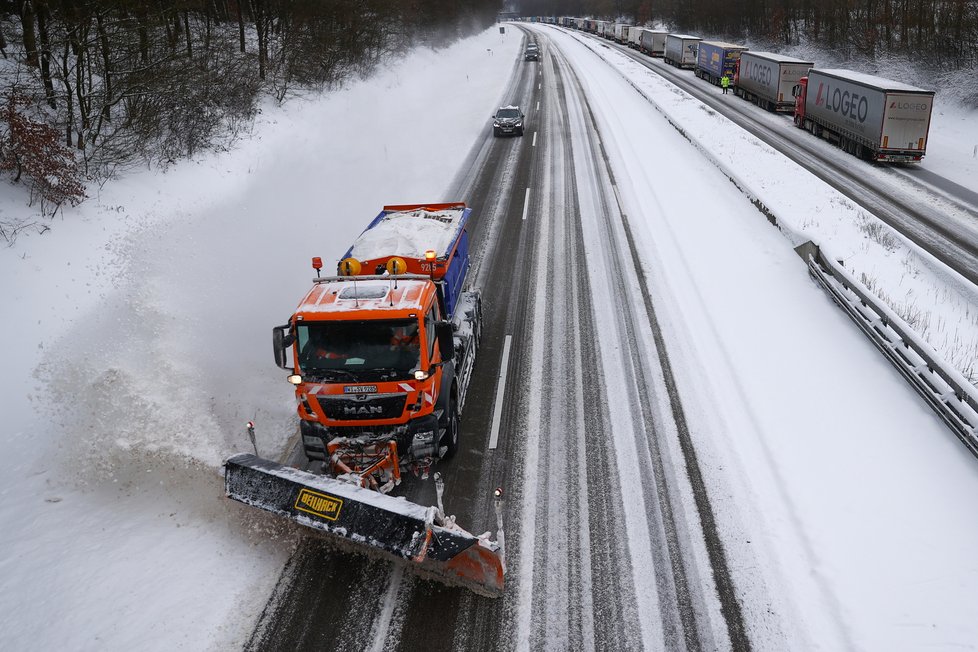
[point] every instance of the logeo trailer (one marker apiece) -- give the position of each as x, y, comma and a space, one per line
870, 117
767, 79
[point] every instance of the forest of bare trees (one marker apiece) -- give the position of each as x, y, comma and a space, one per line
938, 33
114, 83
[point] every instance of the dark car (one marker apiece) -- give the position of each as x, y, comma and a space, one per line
531, 54
508, 120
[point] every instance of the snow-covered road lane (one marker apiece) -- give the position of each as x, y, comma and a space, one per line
607, 549
837, 490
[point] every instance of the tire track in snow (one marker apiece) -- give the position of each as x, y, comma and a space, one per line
689, 607
562, 579
639, 527
645, 391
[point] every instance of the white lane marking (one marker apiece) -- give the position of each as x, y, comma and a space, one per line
534, 139
497, 411
526, 203
538, 106
539, 86
383, 622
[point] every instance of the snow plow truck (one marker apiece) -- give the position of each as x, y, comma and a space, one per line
380, 357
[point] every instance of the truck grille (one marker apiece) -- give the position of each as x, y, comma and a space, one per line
378, 406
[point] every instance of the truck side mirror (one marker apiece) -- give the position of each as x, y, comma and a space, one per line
446, 340
796, 90
282, 339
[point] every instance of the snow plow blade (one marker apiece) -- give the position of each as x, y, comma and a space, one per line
365, 518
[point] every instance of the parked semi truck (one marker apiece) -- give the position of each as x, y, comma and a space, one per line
716, 59
380, 357
653, 42
680, 50
635, 37
870, 117
768, 79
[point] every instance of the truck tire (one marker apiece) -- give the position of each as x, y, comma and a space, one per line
450, 439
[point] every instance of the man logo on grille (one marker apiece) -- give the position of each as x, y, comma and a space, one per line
363, 410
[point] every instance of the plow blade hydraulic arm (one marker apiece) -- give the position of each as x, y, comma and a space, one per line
364, 517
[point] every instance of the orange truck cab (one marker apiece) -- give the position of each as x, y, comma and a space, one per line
383, 352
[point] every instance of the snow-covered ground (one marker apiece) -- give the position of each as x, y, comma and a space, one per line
135, 340
136, 344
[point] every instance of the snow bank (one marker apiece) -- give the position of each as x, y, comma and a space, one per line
135, 341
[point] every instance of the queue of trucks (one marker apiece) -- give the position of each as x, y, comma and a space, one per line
870, 117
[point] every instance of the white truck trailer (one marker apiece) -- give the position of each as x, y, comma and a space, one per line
635, 36
767, 79
868, 116
681, 50
653, 42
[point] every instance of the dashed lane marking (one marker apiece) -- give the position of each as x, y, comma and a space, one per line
497, 411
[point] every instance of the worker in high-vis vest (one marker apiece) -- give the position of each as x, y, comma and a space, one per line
725, 83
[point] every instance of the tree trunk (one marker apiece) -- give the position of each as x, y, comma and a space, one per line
207, 29
142, 19
107, 63
261, 27
69, 109
42, 31
79, 47
186, 31
170, 38
30, 40
241, 25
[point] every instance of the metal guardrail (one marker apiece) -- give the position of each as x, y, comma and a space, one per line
944, 388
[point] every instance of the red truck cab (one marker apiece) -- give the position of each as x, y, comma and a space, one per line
800, 91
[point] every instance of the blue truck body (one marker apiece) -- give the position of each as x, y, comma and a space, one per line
408, 232
716, 59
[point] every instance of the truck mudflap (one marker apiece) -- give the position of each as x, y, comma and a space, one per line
433, 544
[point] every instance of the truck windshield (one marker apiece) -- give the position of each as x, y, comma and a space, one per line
359, 350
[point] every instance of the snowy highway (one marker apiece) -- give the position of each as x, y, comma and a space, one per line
698, 450
601, 544
621, 521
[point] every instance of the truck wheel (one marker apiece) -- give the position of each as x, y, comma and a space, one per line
450, 439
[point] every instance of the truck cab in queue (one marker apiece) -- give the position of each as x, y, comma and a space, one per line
384, 350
